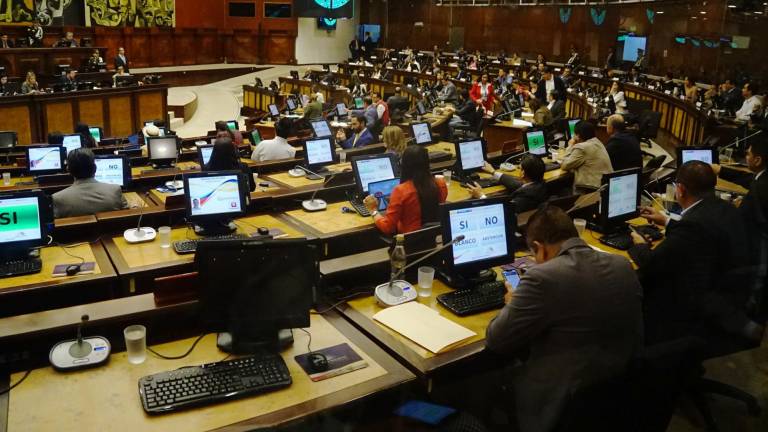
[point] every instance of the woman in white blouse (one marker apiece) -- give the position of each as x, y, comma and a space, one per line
617, 93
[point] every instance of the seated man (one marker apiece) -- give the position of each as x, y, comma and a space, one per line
692, 279
623, 147
528, 192
448, 92
586, 158
278, 147
86, 196
69, 80
314, 109
361, 136
575, 318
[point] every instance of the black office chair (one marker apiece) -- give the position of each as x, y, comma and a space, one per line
648, 126
650, 168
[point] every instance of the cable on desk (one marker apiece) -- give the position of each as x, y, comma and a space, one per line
26, 374
189, 351
341, 300
309, 342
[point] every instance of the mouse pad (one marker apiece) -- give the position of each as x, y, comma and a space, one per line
85, 268
341, 359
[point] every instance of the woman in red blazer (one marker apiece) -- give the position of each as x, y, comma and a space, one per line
482, 92
415, 201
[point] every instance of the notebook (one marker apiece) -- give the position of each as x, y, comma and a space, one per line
423, 326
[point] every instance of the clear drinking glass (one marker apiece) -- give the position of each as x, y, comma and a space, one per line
164, 234
426, 277
136, 343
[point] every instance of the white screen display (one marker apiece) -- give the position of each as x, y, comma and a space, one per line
622, 195
321, 128
420, 108
273, 110
374, 170
45, 158
19, 220
342, 109
214, 195
421, 133
205, 153
471, 154
162, 148
484, 230
697, 155
631, 45
71, 142
319, 151
291, 104
110, 171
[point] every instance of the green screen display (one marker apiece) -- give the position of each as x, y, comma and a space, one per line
19, 220
536, 143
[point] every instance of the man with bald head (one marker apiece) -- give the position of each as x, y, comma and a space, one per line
623, 147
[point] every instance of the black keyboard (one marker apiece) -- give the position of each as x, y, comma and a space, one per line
483, 182
483, 297
650, 231
359, 207
620, 241
190, 246
20, 267
212, 383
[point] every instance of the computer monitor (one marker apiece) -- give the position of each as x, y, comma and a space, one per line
273, 111
420, 110
470, 155
291, 104
252, 289
382, 190
233, 125
705, 154
204, 154
213, 199
113, 170
96, 132
422, 133
488, 226
42, 160
373, 168
341, 109
304, 99
72, 141
255, 137
321, 128
619, 199
359, 103
536, 143
8, 140
570, 130
24, 219
318, 153
163, 151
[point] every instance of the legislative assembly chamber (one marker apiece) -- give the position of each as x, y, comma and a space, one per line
384, 215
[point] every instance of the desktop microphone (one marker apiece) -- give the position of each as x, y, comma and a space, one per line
587, 200
506, 166
739, 139
396, 292
140, 234
309, 173
79, 353
313, 204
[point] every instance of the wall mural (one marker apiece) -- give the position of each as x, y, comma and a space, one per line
17, 11
137, 13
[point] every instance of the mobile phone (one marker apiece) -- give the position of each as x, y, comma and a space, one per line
512, 277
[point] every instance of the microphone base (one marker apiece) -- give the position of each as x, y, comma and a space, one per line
140, 235
385, 298
314, 205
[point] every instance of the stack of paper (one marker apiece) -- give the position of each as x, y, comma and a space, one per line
424, 326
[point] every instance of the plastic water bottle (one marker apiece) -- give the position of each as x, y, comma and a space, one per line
397, 258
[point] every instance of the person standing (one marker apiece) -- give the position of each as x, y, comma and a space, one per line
121, 60
482, 93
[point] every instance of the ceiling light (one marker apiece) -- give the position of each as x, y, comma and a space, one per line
759, 12
660, 12
732, 6
703, 12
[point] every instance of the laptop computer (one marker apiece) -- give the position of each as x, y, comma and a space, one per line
382, 190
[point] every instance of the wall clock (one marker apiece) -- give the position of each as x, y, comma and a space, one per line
332, 4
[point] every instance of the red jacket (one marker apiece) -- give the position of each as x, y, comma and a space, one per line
385, 116
404, 211
476, 95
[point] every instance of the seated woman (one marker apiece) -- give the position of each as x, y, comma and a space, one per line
225, 157
541, 115
414, 202
223, 131
394, 138
85, 135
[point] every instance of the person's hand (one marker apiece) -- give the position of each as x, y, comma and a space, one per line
475, 190
340, 135
716, 168
571, 141
488, 168
371, 203
637, 238
510, 293
653, 215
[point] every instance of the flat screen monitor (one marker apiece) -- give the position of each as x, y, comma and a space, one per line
304, 100
212, 195
255, 137
96, 133
620, 198
253, 288
571, 128
8, 140
382, 190
535, 143
162, 149
373, 168
43, 160
422, 133
359, 103
22, 221
114, 170
318, 152
321, 128
273, 111
204, 154
341, 109
631, 45
488, 227
291, 104
73, 141
420, 110
705, 154
232, 125
470, 155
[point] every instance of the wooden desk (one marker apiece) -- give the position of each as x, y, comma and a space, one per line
726, 186
285, 180
331, 222
43, 61
109, 394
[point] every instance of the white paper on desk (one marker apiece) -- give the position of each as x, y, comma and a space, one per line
521, 123
423, 325
526, 114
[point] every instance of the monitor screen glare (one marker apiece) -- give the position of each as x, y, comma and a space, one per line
163, 148
216, 195
484, 230
321, 128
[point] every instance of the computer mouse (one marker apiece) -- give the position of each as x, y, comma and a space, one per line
73, 269
263, 230
346, 210
318, 362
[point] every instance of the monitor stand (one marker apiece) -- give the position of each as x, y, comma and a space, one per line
465, 281
214, 228
263, 342
321, 172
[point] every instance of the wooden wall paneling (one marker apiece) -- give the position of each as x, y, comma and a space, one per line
21, 119
91, 111
111, 39
244, 47
184, 47
59, 116
208, 48
140, 50
161, 47
150, 105
122, 122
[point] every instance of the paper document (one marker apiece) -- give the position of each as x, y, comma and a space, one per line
423, 325
522, 123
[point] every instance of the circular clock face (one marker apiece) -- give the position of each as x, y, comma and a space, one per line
332, 4
329, 21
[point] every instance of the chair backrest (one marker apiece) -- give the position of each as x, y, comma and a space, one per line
648, 124
423, 239
655, 163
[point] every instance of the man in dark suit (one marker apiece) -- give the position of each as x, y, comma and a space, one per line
731, 96
69, 80
623, 147
5, 42
575, 318
696, 280
121, 60
361, 136
528, 192
548, 83
556, 106
354, 49
368, 45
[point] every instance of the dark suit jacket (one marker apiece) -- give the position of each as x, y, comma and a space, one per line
732, 100
624, 150
119, 62
691, 283
9, 42
526, 197
365, 139
541, 90
579, 318
558, 110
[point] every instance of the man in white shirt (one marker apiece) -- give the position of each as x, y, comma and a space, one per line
278, 147
751, 103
